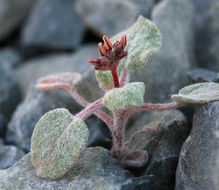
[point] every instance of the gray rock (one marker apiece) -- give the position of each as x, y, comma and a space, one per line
99, 133
201, 33
32, 70
112, 16
206, 33
36, 103
12, 13
88, 86
214, 43
9, 57
9, 155
95, 170
202, 75
53, 25
9, 92
2, 124
165, 72
217, 79
198, 166
163, 147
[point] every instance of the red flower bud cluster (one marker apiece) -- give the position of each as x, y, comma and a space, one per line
110, 54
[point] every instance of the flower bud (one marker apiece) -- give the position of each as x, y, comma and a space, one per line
107, 43
102, 49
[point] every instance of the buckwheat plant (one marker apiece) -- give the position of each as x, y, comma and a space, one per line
59, 136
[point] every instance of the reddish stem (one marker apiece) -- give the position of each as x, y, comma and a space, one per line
118, 133
103, 116
115, 78
90, 109
156, 107
152, 107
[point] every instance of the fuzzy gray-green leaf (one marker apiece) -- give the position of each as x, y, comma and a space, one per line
198, 93
143, 38
105, 80
57, 140
121, 98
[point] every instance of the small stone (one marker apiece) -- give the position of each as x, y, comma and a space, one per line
8, 21
9, 92
206, 33
198, 166
217, 79
9, 57
108, 17
9, 155
2, 124
53, 25
202, 75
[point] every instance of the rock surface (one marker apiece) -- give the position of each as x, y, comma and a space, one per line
12, 13
9, 57
163, 146
9, 92
2, 124
214, 45
9, 155
32, 70
27, 114
99, 134
112, 16
53, 25
94, 170
206, 24
198, 166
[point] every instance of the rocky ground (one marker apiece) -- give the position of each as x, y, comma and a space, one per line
41, 37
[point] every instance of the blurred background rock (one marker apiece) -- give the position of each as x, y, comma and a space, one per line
40, 37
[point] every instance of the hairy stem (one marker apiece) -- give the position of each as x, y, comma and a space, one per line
115, 78
153, 107
89, 109
118, 132
100, 114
